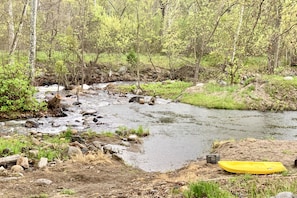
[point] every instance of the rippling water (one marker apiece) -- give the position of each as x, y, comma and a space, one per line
179, 132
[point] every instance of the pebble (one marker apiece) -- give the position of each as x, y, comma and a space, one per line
43, 181
23, 161
42, 162
285, 195
73, 151
17, 169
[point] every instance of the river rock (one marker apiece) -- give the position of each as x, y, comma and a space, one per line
42, 182
78, 138
23, 161
42, 162
125, 143
285, 195
98, 144
35, 141
73, 151
133, 137
17, 169
3, 171
89, 112
31, 124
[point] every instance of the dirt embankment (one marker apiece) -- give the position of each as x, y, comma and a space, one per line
107, 177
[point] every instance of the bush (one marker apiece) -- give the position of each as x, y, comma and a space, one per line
16, 93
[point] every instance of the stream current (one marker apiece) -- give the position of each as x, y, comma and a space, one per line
179, 133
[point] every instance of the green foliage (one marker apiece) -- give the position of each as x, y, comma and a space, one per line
212, 59
18, 144
60, 68
67, 134
14, 144
132, 58
206, 189
16, 93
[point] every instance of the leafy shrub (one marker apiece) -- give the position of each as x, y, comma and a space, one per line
16, 93
132, 58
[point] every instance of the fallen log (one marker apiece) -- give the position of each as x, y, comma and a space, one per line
9, 159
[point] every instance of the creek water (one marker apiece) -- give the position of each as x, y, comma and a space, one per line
179, 133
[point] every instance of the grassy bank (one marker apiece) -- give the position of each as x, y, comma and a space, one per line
265, 93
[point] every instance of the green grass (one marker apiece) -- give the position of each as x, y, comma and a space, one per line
167, 89
206, 189
258, 187
68, 192
15, 144
50, 147
214, 96
243, 185
125, 131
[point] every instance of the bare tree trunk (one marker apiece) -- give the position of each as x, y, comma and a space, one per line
137, 48
19, 29
237, 34
274, 45
32, 55
10, 24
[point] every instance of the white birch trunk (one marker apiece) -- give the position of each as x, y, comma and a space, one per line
19, 29
32, 55
237, 34
10, 25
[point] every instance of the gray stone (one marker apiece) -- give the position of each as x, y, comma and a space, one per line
43, 181
73, 151
133, 137
285, 195
23, 161
125, 143
17, 169
35, 141
98, 144
89, 112
31, 124
42, 162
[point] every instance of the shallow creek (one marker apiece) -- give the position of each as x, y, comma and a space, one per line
179, 132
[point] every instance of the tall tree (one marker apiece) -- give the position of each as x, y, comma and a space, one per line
15, 36
275, 39
32, 55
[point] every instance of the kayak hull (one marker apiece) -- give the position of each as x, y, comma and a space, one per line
252, 167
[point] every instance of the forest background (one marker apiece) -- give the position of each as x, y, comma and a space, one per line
66, 37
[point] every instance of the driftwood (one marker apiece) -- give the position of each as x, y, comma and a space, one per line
54, 103
54, 106
9, 159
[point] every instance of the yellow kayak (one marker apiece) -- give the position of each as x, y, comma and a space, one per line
251, 167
